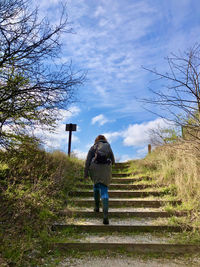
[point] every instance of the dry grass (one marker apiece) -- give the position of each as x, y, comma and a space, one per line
178, 165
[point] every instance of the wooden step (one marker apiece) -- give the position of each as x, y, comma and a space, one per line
121, 186
129, 180
121, 165
130, 174
122, 174
126, 203
116, 194
142, 248
122, 214
117, 174
117, 228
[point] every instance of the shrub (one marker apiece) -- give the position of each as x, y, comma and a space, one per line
34, 187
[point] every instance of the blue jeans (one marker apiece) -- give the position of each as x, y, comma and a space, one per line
103, 190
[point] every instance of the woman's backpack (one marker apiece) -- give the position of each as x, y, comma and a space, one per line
102, 153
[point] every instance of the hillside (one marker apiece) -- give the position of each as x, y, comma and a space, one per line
40, 189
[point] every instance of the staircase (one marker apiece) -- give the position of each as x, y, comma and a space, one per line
138, 221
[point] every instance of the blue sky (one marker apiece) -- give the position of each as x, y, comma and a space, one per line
112, 39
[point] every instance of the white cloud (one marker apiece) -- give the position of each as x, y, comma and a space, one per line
80, 154
100, 119
139, 33
88, 146
103, 22
99, 11
125, 158
101, 91
111, 137
106, 57
137, 134
56, 139
67, 114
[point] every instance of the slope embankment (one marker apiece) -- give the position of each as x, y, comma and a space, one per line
47, 212
34, 186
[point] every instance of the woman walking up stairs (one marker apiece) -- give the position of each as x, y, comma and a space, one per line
98, 166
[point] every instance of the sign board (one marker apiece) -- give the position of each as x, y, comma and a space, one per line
70, 127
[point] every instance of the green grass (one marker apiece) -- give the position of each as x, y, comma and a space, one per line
192, 238
34, 187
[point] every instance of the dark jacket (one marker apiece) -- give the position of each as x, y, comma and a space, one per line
99, 173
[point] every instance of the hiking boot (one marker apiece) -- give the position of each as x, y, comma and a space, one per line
96, 209
105, 221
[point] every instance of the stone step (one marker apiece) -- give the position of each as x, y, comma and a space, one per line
131, 247
118, 194
123, 228
121, 186
122, 214
127, 203
129, 180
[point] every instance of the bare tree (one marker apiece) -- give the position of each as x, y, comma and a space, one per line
180, 94
32, 87
163, 135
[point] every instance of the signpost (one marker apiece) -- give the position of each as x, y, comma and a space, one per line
70, 128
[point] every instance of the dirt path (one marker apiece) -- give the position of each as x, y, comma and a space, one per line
129, 262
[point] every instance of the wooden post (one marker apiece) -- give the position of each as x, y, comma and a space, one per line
149, 148
69, 143
70, 128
